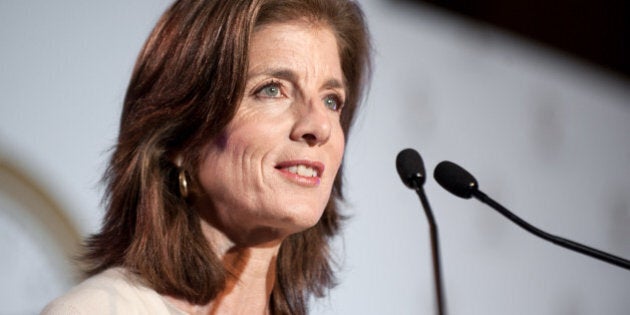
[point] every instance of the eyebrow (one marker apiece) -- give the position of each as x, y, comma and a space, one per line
290, 75
334, 84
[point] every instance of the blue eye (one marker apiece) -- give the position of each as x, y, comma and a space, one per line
333, 102
270, 90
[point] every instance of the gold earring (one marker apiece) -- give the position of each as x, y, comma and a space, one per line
183, 183
183, 179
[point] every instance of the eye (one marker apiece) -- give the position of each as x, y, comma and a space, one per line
333, 102
270, 90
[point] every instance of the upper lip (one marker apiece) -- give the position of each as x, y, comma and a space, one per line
317, 166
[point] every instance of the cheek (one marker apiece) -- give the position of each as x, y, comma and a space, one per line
222, 158
340, 154
237, 155
335, 155
223, 173
339, 145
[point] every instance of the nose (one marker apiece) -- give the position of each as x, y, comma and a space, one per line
312, 124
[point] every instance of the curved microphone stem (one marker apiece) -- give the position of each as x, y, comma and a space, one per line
435, 250
552, 238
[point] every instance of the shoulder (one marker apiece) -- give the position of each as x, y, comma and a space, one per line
114, 291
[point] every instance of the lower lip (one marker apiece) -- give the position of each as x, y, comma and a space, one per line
301, 180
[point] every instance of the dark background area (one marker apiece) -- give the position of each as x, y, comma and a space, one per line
595, 31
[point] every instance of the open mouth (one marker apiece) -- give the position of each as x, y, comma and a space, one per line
302, 168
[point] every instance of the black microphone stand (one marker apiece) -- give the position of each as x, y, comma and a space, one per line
462, 184
552, 238
435, 249
411, 171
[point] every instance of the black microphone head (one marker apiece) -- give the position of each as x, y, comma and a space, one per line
455, 179
410, 168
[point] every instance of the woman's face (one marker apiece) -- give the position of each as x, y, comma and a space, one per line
270, 174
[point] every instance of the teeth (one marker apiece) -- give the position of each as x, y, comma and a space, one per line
302, 170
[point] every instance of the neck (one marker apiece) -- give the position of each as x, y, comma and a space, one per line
251, 275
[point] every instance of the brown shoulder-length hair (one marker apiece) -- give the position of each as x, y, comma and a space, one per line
186, 86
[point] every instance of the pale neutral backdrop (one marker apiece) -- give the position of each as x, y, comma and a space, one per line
544, 134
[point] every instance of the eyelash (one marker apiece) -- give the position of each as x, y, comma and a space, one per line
273, 83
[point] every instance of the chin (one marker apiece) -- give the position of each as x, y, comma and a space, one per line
300, 219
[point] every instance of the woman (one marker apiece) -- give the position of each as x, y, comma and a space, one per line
223, 185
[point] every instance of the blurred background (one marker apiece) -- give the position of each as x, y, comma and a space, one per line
532, 98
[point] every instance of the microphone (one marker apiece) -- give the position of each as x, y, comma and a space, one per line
461, 183
410, 168
411, 171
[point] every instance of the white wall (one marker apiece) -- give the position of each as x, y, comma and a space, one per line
543, 134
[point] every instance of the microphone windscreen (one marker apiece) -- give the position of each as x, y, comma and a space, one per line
410, 168
455, 179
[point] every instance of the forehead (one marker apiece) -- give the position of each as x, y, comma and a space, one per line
300, 31
297, 44
303, 23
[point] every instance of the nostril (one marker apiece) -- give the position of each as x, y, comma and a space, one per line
310, 138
